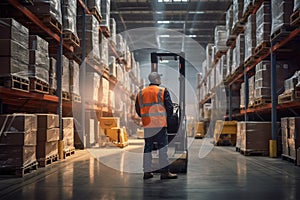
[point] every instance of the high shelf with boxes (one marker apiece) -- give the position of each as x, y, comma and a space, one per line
41, 38
268, 73
249, 72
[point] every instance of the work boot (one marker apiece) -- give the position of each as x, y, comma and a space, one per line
167, 175
147, 175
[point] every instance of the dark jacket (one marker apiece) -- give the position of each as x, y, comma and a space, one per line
168, 104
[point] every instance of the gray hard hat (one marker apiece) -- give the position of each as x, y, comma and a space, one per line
153, 76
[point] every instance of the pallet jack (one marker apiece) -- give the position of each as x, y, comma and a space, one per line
177, 141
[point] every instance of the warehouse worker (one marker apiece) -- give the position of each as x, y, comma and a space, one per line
153, 104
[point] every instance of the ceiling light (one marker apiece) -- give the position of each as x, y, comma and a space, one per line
192, 35
163, 22
164, 36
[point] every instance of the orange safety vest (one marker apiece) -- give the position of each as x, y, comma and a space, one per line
152, 108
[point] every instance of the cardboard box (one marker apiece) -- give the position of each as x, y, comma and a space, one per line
47, 134
18, 138
46, 121
109, 122
17, 155
46, 149
18, 123
68, 122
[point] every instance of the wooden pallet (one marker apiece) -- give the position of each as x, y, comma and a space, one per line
51, 23
68, 152
250, 61
43, 162
94, 11
237, 28
295, 18
71, 39
253, 152
37, 85
281, 33
66, 96
262, 101
75, 98
289, 96
247, 12
18, 171
15, 82
289, 158
262, 49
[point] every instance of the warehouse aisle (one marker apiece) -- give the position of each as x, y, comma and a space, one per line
223, 174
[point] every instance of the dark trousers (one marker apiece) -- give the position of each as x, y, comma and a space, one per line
160, 136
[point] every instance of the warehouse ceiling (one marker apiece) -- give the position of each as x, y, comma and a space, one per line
194, 18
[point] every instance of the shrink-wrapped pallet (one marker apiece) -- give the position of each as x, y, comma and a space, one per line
251, 90
38, 58
250, 36
220, 38
104, 52
43, 8
263, 23
74, 77
229, 22
238, 6
281, 12
69, 8
18, 140
113, 30
238, 53
263, 77
52, 74
229, 61
68, 132
209, 55
14, 58
105, 12
93, 86
65, 74
242, 94
91, 39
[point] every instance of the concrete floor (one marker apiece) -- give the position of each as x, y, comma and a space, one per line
222, 174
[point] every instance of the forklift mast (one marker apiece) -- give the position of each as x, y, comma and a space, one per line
181, 138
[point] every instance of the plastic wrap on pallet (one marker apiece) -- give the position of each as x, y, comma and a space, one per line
74, 77
94, 4
39, 59
17, 155
247, 5
91, 39
213, 55
250, 36
47, 7
105, 12
69, 8
228, 61
281, 12
104, 51
120, 45
296, 5
263, 77
46, 149
223, 67
65, 74
52, 74
18, 122
37, 43
36, 71
218, 74
13, 30
263, 24
255, 136
292, 82
111, 100
112, 66
113, 30
209, 54
120, 73
238, 53
242, 94
204, 67
68, 131
237, 9
251, 82
92, 82
105, 91
229, 20
220, 38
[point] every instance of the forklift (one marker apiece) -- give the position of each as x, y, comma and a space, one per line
177, 148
